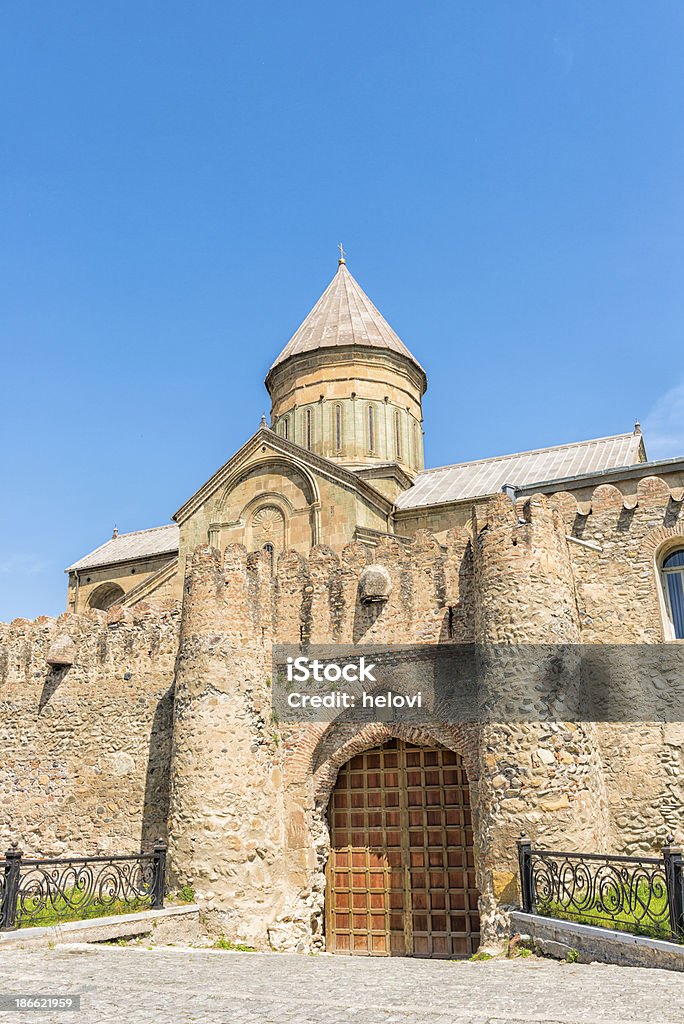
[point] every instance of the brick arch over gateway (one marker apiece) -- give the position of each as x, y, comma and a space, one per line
329, 746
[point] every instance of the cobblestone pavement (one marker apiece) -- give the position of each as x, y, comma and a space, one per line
134, 985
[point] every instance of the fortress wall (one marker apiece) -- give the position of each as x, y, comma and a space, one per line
618, 603
247, 827
617, 592
249, 795
644, 769
85, 749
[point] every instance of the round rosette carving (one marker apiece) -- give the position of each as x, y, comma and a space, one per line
268, 524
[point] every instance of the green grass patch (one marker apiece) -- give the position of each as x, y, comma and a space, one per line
627, 919
517, 949
224, 943
76, 906
186, 894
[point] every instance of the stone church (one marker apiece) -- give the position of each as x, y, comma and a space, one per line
145, 709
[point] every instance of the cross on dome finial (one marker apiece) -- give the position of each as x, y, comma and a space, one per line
342, 260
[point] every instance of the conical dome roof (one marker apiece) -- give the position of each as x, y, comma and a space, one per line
344, 315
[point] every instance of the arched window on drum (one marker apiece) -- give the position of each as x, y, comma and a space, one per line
338, 428
672, 571
371, 429
397, 434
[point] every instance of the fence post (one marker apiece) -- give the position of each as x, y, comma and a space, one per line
10, 890
525, 862
159, 851
674, 879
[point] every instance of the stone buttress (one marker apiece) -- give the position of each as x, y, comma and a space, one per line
225, 821
543, 779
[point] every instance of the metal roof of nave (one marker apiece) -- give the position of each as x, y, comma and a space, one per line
467, 480
344, 315
123, 547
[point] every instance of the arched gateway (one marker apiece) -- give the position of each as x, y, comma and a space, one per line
401, 872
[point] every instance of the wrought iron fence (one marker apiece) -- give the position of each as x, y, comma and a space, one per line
642, 895
47, 890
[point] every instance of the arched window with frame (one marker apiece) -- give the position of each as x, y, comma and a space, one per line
672, 572
371, 428
308, 429
286, 428
269, 557
338, 427
397, 434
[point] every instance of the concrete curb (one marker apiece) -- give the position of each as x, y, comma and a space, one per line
557, 938
98, 929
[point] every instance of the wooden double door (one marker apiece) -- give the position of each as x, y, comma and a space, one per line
401, 872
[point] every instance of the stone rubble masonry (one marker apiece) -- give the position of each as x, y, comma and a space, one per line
619, 601
86, 747
88, 754
538, 778
511, 576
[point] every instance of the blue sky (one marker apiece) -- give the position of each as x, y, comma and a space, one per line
506, 177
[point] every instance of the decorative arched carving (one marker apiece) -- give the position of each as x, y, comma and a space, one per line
273, 463
273, 481
268, 527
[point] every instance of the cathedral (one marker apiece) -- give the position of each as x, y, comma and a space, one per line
144, 711
341, 460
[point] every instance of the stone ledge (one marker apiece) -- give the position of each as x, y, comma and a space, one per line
98, 929
556, 938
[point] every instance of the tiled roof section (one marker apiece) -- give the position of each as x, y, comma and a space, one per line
160, 540
487, 476
344, 315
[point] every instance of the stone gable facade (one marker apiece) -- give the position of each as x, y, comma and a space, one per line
153, 717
